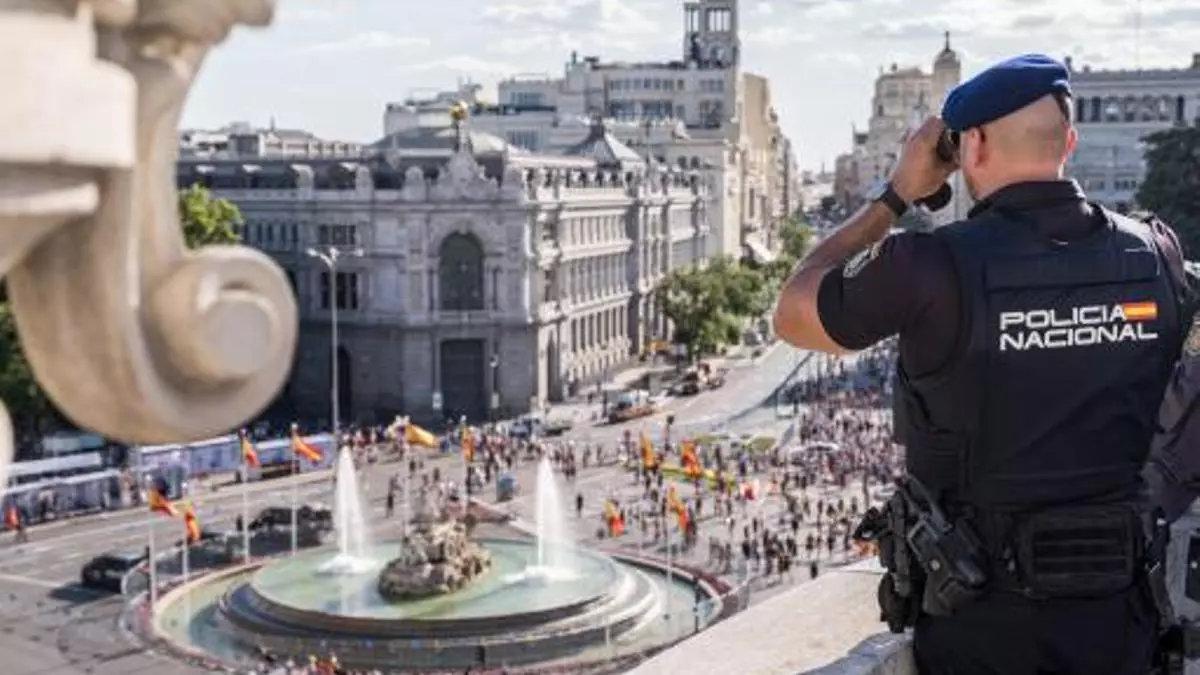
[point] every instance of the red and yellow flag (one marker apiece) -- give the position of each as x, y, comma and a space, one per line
468, 444
303, 449
676, 505
12, 517
1140, 311
690, 460
649, 457
249, 454
160, 504
612, 516
415, 435
191, 525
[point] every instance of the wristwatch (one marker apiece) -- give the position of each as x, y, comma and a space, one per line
884, 193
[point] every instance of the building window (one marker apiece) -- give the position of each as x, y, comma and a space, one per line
1080, 105
720, 20
692, 19
337, 235
1096, 103
460, 273
527, 98
524, 138
346, 293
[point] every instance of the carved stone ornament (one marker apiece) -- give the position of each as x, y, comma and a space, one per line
462, 178
131, 334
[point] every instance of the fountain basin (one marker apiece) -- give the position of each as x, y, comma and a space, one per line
503, 618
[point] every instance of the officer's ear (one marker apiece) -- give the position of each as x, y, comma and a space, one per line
1072, 142
974, 148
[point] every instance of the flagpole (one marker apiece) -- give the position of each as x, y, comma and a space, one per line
187, 545
670, 586
295, 471
153, 565
245, 510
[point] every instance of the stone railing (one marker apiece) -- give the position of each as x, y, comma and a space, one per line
131, 334
829, 625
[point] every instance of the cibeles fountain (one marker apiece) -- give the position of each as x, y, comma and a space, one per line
439, 596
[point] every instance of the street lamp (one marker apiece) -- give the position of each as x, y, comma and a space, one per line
495, 402
330, 256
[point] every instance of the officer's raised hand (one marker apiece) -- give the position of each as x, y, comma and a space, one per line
920, 171
918, 174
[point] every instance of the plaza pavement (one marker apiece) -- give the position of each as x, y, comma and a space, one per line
50, 625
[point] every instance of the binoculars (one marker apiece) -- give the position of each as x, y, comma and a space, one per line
946, 149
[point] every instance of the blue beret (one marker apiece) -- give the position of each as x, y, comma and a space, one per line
1004, 88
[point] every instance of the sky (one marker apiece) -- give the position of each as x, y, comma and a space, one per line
330, 66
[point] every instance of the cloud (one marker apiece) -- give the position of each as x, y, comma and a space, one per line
369, 41
464, 64
1027, 21
777, 36
764, 8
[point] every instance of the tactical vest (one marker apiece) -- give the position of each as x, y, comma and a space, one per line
1051, 393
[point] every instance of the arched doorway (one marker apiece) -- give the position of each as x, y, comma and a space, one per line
462, 380
460, 273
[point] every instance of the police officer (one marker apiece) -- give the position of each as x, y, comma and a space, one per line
1035, 341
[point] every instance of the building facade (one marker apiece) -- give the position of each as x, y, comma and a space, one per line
903, 98
491, 281
700, 111
1114, 111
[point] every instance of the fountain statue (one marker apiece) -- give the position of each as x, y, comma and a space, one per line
437, 558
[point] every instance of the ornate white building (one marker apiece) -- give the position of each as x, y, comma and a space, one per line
493, 280
903, 98
1114, 110
700, 112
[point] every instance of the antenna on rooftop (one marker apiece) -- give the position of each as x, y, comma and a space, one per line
1137, 37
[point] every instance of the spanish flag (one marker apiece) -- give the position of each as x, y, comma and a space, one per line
690, 460
303, 449
12, 517
191, 525
612, 516
1140, 311
649, 457
159, 503
418, 436
468, 444
674, 503
249, 454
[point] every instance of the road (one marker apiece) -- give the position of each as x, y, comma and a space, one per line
49, 624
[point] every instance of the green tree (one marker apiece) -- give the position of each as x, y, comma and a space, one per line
1171, 188
207, 220
695, 300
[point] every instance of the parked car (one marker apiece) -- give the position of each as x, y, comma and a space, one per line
631, 405
534, 426
308, 515
105, 571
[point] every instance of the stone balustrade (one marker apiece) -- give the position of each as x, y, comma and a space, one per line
829, 625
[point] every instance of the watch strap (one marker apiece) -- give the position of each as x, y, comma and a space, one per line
893, 201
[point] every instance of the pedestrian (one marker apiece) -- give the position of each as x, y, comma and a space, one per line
1063, 430
578, 504
812, 570
391, 502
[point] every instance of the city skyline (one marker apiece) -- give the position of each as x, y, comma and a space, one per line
329, 66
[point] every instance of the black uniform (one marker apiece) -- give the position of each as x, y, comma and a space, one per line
1036, 339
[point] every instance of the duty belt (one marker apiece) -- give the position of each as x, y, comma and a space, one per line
1075, 551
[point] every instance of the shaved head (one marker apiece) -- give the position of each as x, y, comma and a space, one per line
1031, 143
1035, 134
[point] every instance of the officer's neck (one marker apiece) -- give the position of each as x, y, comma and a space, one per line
987, 185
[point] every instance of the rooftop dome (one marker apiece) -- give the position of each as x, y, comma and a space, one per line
605, 148
946, 57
